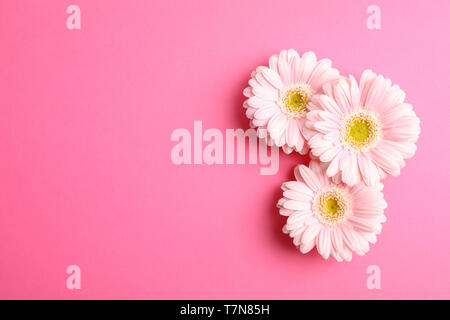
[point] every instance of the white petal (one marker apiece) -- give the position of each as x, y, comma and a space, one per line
299, 187
292, 133
323, 243
296, 205
294, 195
266, 112
277, 125
311, 233
310, 178
368, 170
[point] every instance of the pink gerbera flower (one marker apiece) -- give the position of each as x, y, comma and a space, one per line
278, 97
335, 218
363, 132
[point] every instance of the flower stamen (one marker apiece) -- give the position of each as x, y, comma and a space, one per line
360, 131
294, 99
332, 205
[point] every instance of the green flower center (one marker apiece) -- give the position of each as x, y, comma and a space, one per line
332, 205
360, 131
294, 100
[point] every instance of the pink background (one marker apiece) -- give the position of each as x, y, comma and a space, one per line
85, 171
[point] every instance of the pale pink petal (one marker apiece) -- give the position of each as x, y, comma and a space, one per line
342, 95
277, 125
326, 126
333, 137
330, 117
350, 238
310, 178
406, 149
260, 123
296, 205
355, 94
296, 232
272, 77
298, 218
286, 212
266, 92
322, 74
363, 244
361, 223
307, 247
318, 141
365, 83
369, 237
328, 105
318, 171
350, 170
333, 168
299, 187
287, 149
323, 243
273, 63
283, 68
266, 112
294, 195
337, 240
280, 138
248, 92
368, 170
297, 238
250, 112
346, 254
293, 132
300, 149
292, 54
307, 64
385, 161
296, 71
377, 93
330, 154
336, 255
311, 232
257, 102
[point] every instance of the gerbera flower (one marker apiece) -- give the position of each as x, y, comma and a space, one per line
363, 132
278, 97
335, 218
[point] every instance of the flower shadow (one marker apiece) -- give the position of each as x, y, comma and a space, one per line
284, 241
287, 163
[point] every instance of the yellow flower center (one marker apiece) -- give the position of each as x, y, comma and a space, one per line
360, 131
332, 205
294, 100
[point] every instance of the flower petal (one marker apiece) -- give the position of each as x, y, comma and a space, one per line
311, 233
324, 243
310, 178
368, 170
292, 133
277, 125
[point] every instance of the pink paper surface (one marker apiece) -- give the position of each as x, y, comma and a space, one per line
86, 176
